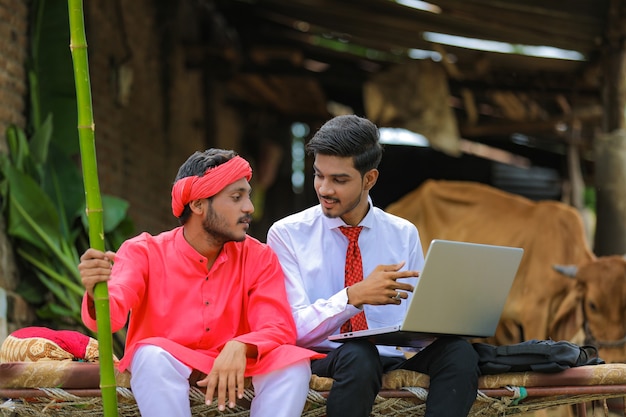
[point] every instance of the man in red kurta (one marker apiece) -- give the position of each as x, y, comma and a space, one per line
204, 296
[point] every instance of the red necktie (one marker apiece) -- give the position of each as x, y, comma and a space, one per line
353, 274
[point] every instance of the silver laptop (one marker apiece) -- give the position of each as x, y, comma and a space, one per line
461, 291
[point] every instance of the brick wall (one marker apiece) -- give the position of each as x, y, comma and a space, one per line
142, 138
148, 106
13, 44
13, 92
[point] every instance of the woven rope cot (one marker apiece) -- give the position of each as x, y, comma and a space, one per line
66, 388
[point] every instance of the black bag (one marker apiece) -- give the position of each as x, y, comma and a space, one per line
534, 355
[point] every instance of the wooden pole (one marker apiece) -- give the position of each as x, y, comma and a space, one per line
610, 145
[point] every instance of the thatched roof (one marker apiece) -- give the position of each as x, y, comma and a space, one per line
296, 56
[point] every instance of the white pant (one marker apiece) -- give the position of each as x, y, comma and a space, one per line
160, 385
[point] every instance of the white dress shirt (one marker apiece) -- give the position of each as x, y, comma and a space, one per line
312, 252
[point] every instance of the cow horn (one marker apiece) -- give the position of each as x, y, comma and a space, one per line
567, 270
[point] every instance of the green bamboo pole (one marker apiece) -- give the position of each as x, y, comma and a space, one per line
86, 136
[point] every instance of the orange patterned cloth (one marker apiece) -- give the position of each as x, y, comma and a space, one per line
36, 357
33, 344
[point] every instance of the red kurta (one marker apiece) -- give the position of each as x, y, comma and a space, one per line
176, 303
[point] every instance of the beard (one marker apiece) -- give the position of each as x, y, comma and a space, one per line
217, 228
345, 208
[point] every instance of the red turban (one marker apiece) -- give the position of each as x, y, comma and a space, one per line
212, 182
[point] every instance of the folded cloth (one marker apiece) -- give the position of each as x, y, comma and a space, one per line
32, 344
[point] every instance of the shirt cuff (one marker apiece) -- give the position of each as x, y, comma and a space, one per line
343, 298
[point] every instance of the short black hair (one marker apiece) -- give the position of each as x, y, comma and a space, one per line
349, 136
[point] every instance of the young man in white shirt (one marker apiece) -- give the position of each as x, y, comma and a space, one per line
312, 251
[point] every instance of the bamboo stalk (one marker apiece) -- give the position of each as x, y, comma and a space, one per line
86, 136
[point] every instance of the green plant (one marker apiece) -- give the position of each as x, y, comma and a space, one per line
43, 206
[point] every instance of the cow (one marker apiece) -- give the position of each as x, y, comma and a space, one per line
601, 290
562, 291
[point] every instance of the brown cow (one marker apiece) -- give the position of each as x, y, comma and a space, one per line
542, 303
601, 289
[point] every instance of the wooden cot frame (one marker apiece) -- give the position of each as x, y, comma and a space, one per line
498, 395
